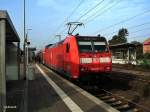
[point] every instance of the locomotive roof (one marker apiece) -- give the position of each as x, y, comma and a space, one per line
48, 45
98, 38
55, 44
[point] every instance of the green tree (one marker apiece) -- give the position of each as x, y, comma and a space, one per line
136, 42
114, 40
120, 38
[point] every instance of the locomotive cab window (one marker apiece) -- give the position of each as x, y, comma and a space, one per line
85, 46
67, 47
100, 47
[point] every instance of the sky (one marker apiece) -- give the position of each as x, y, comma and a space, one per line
48, 18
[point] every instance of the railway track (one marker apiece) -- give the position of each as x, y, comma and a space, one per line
116, 101
120, 102
123, 76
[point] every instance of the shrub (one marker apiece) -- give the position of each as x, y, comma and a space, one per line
147, 55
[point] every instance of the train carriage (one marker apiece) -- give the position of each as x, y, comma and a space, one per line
78, 56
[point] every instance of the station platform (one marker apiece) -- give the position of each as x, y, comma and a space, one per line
49, 92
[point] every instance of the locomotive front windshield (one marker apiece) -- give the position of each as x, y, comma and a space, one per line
100, 47
92, 46
85, 46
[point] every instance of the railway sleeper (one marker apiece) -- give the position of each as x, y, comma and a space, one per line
131, 110
106, 97
124, 107
101, 95
119, 105
110, 100
136, 110
116, 103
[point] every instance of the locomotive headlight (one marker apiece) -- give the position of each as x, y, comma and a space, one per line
85, 60
105, 59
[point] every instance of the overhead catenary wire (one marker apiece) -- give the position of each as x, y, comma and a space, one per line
139, 36
66, 19
140, 30
133, 27
91, 9
87, 12
104, 10
137, 32
75, 9
125, 20
72, 13
59, 33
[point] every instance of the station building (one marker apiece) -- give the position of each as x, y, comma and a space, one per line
124, 53
146, 46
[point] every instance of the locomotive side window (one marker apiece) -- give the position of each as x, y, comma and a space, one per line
85, 46
67, 47
100, 47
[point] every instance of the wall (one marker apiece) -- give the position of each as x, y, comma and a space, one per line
11, 62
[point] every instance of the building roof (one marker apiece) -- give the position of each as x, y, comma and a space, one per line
11, 34
147, 42
124, 45
94, 38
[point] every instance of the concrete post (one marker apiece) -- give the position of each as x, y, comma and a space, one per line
18, 60
27, 51
2, 64
135, 54
128, 55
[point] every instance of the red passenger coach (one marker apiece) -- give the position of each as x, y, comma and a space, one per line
79, 56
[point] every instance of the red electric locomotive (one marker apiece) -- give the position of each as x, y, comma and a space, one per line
79, 56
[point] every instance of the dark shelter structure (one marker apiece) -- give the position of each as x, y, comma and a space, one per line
9, 55
124, 53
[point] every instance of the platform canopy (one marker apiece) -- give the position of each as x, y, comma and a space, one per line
123, 45
8, 35
11, 34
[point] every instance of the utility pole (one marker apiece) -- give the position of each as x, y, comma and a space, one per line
24, 45
27, 47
